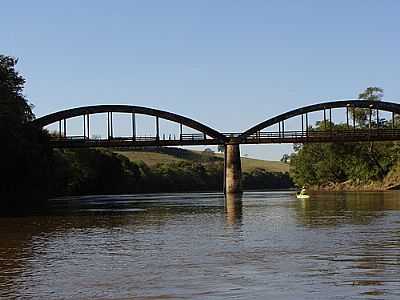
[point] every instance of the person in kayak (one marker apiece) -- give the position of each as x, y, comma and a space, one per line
303, 193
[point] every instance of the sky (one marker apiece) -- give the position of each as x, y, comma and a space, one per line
228, 64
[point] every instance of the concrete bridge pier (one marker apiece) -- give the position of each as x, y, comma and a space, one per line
233, 169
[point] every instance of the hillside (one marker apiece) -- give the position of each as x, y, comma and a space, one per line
154, 156
249, 164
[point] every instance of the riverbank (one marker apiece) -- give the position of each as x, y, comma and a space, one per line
349, 187
390, 182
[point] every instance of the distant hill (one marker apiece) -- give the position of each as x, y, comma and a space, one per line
249, 164
153, 156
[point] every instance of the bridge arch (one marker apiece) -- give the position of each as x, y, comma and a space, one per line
95, 109
352, 103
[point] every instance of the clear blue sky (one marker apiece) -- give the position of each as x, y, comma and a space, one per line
229, 64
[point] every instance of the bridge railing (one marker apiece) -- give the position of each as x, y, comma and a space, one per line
68, 138
299, 134
163, 137
294, 136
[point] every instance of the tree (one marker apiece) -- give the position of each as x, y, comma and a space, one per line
25, 156
371, 93
361, 115
14, 107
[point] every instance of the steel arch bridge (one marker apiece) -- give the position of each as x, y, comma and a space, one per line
206, 135
378, 130
375, 131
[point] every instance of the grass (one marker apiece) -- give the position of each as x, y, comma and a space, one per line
249, 164
149, 158
155, 156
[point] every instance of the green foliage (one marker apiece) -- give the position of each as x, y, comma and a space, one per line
318, 164
262, 179
25, 162
14, 107
25, 157
361, 115
371, 93
93, 171
187, 176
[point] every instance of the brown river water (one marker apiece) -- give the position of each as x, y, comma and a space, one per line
266, 245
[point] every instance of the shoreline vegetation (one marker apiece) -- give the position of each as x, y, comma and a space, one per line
352, 187
390, 182
106, 171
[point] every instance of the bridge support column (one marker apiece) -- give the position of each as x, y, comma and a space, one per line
233, 169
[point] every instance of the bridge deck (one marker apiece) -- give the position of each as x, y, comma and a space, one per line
327, 136
358, 135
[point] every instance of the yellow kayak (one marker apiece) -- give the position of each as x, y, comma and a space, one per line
302, 196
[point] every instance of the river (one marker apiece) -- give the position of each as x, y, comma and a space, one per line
264, 245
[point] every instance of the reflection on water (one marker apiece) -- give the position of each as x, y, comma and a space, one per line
233, 209
334, 208
204, 246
